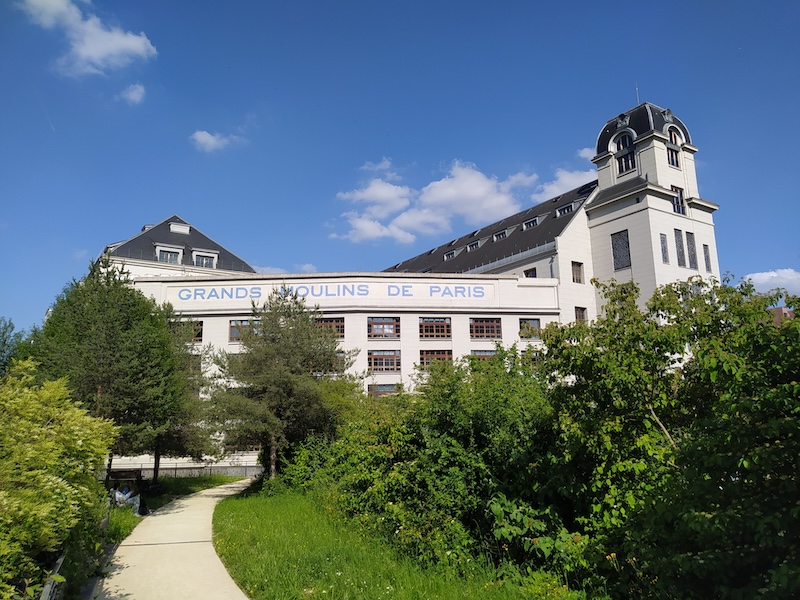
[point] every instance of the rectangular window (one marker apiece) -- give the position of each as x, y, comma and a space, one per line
564, 210
473, 246
381, 389
383, 360
679, 248
529, 328
434, 327
621, 250
530, 272
334, 323
707, 257
500, 235
577, 272
530, 223
483, 354
485, 329
678, 203
204, 261
426, 357
236, 328
383, 327
580, 313
664, 249
691, 250
626, 162
450, 255
197, 335
168, 256
672, 157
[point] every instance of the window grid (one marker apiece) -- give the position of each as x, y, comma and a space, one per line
673, 157
450, 255
334, 323
627, 161
530, 328
383, 327
483, 354
707, 257
383, 360
678, 203
530, 223
235, 329
168, 256
426, 357
381, 389
691, 250
434, 327
564, 210
577, 272
473, 246
679, 248
664, 249
530, 272
500, 235
204, 261
485, 328
197, 335
621, 250
580, 314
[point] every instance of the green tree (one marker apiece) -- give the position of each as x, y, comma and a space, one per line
50, 450
273, 394
116, 349
9, 341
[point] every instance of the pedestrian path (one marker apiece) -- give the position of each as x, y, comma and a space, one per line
170, 554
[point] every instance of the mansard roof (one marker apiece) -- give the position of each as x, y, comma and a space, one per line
174, 232
525, 234
642, 119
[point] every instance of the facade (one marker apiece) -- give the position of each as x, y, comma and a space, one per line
641, 220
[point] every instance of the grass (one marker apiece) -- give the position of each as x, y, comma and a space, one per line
122, 520
286, 547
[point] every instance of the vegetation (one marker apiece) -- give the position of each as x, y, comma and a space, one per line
9, 342
50, 450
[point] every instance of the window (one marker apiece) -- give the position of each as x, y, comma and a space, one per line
577, 272
580, 313
383, 360
426, 357
530, 272
674, 137
564, 210
485, 328
168, 256
334, 323
473, 246
450, 255
201, 260
500, 235
621, 250
679, 248
529, 328
381, 389
483, 354
707, 257
197, 335
383, 327
530, 223
434, 327
678, 203
672, 157
691, 250
626, 159
664, 249
236, 328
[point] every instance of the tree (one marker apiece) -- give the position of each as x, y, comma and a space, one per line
50, 450
272, 394
115, 347
9, 341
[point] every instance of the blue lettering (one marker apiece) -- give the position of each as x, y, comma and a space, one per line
328, 291
184, 294
317, 293
226, 293
393, 290
447, 291
301, 291
255, 293
477, 291
435, 289
348, 290
407, 290
213, 294
199, 294
461, 291
363, 289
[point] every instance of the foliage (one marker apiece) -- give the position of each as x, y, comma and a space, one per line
9, 341
115, 347
50, 451
274, 393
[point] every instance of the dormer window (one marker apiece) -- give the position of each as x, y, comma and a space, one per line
450, 255
530, 223
500, 235
564, 210
171, 255
626, 159
205, 258
473, 246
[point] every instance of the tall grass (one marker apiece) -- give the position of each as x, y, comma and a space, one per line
286, 547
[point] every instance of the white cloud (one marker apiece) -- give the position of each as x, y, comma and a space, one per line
94, 48
382, 198
384, 167
565, 181
306, 268
788, 279
269, 270
211, 142
133, 94
587, 153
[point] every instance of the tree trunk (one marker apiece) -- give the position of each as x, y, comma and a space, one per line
108, 469
156, 464
273, 456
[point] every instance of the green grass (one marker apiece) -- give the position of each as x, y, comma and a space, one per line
122, 520
286, 547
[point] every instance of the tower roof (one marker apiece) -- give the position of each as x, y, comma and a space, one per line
642, 119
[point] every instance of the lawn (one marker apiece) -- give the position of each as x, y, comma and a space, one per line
287, 547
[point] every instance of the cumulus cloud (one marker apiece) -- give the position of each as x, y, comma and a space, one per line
587, 153
306, 268
94, 47
211, 142
133, 94
388, 210
384, 168
788, 279
565, 181
269, 270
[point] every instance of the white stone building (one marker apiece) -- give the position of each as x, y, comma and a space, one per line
643, 219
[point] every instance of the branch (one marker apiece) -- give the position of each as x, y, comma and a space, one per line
661, 425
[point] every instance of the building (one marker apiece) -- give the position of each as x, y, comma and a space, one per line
642, 219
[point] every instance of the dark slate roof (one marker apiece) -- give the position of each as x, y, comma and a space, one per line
517, 244
642, 119
143, 245
625, 188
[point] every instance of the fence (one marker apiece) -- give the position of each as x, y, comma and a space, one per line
192, 470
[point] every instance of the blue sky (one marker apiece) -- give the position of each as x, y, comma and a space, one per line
348, 136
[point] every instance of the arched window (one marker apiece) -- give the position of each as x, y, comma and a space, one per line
626, 159
673, 148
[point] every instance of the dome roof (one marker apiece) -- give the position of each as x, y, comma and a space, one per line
643, 119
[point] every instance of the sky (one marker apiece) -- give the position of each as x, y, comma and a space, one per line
318, 136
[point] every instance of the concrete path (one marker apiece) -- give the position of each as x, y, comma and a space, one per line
170, 555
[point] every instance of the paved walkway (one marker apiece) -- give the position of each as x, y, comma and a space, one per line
170, 555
